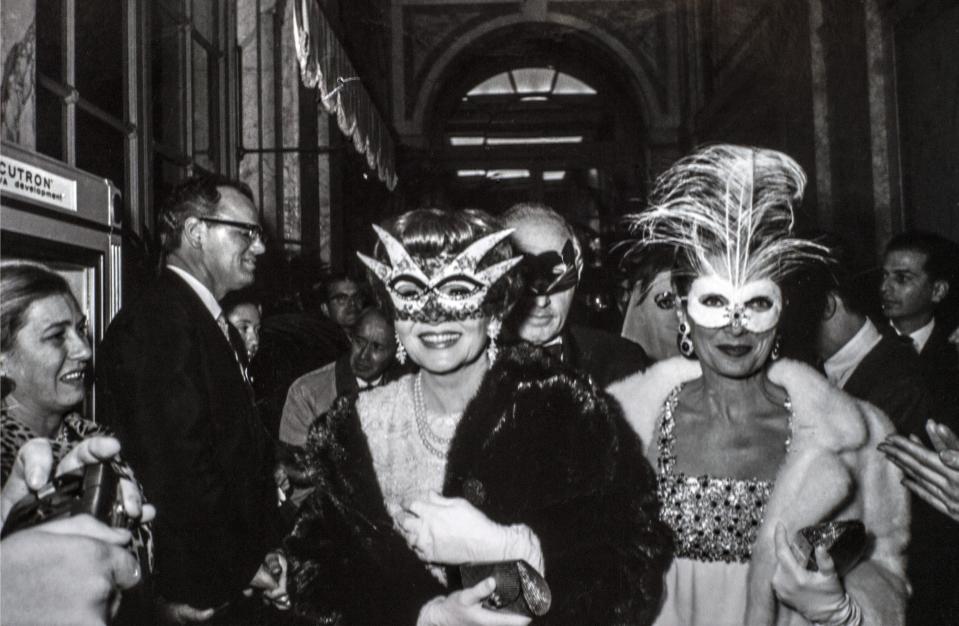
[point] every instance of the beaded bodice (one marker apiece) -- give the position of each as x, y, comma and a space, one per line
712, 519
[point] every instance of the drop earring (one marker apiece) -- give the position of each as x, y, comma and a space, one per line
777, 348
492, 350
400, 351
684, 341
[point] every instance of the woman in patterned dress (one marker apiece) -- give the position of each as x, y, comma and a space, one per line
44, 358
750, 449
533, 462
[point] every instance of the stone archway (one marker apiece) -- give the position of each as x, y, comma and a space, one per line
430, 39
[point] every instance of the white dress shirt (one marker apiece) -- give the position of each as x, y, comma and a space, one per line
921, 336
366, 384
840, 366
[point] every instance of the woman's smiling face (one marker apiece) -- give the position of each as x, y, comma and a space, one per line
733, 330
48, 359
445, 346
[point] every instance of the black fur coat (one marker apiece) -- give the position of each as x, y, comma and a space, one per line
538, 445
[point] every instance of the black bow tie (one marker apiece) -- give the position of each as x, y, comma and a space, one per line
556, 350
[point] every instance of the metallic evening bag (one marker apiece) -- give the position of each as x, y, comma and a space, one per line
519, 587
845, 540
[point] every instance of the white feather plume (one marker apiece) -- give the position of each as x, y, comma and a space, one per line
729, 209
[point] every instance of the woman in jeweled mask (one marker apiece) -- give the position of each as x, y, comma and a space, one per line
751, 449
486, 454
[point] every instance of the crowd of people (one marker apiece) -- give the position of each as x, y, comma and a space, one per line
356, 461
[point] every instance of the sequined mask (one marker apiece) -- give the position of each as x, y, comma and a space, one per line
439, 288
714, 302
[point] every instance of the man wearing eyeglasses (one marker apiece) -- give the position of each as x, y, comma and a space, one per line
342, 301
552, 265
172, 388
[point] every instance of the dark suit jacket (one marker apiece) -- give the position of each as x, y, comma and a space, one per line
934, 549
172, 391
891, 377
604, 356
940, 360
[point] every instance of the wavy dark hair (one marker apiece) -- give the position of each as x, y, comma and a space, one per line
429, 234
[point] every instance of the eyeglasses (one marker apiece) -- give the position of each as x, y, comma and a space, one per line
252, 232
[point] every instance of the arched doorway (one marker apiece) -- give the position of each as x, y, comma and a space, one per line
535, 112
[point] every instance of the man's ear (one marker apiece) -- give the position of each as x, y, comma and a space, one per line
940, 289
832, 304
192, 232
325, 309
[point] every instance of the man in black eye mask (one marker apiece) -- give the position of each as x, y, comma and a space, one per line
551, 268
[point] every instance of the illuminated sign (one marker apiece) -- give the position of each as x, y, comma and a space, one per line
36, 184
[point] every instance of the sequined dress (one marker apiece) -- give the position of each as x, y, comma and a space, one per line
714, 523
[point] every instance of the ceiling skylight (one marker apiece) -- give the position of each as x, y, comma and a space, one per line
477, 140
503, 174
554, 175
467, 141
516, 141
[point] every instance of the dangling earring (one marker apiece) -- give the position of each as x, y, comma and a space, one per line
492, 350
775, 354
684, 340
400, 351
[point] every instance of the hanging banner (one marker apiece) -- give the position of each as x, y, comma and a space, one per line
36, 184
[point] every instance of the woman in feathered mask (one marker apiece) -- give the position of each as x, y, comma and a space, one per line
751, 450
533, 462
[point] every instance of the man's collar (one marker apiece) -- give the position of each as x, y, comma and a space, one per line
366, 384
840, 366
206, 296
920, 336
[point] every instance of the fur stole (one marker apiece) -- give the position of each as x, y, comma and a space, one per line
538, 445
832, 471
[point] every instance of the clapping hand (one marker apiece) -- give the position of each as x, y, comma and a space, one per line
933, 475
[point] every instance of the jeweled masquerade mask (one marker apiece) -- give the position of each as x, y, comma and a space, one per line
713, 302
438, 288
729, 211
550, 272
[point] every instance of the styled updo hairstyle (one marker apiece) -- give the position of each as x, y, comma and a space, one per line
433, 237
22, 283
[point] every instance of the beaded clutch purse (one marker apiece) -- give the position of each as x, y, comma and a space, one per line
845, 540
519, 588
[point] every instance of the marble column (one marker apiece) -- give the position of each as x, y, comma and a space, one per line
18, 59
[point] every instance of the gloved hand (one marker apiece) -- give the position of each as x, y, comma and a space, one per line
452, 531
818, 596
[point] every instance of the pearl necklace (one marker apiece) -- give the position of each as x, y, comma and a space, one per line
435, 444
